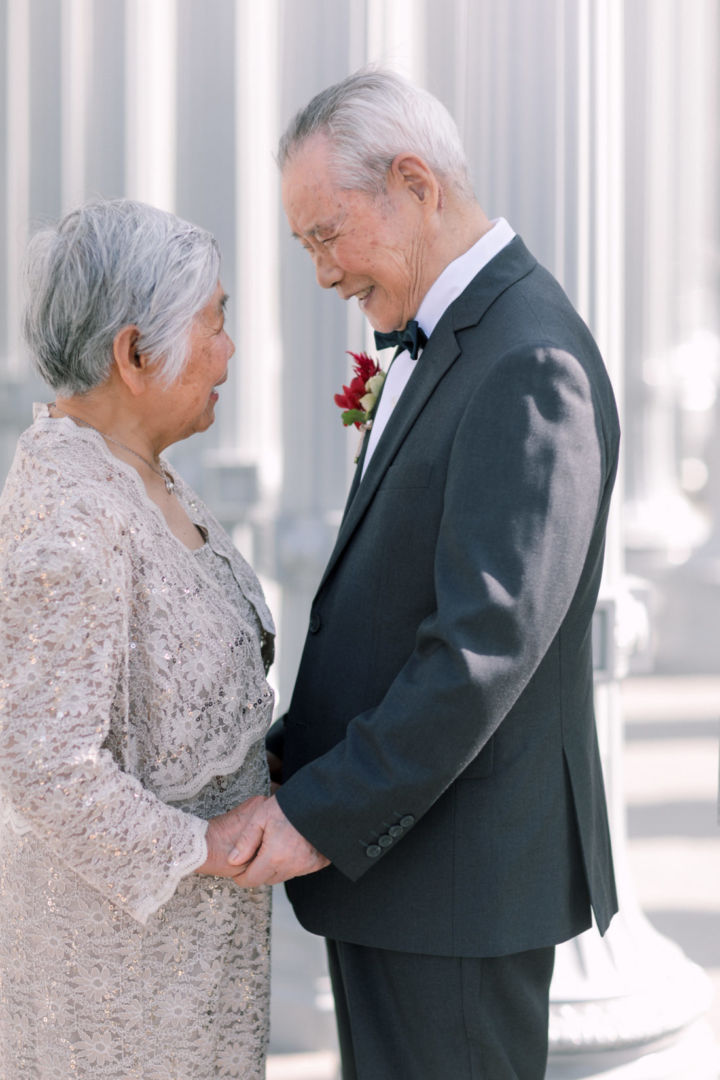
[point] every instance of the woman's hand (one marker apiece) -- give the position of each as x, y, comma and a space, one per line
222, 834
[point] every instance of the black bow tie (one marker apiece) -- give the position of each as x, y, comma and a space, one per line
412, 338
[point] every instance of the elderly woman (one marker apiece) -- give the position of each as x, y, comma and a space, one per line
133, 699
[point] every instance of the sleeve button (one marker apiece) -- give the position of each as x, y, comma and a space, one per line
373, 851
385, 840
395, 831
407, 821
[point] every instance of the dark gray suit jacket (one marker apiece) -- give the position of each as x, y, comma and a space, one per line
440, 745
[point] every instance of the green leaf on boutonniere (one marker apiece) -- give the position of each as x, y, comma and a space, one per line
353, 416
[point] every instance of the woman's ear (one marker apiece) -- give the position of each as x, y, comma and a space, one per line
132, 365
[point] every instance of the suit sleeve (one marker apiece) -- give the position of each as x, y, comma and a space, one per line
524, 482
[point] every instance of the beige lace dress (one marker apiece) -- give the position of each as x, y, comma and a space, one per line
133, 707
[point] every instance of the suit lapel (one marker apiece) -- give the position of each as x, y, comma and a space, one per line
440, 353
437, 357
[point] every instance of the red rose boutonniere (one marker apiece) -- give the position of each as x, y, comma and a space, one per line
358, 399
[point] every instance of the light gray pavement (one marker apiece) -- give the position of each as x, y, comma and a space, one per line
672, 729
670, 765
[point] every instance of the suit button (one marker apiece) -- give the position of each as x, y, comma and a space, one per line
395, 831
407, 821
314, 622
373, 851
385, 840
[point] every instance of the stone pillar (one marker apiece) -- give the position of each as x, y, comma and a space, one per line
15, 179
150, 97
673, 112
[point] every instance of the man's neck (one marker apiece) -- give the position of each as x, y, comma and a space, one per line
464, 223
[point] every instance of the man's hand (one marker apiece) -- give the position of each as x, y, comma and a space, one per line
223, 834
283, 853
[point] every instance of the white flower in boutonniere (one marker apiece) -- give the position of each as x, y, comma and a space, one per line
359, 398
373, 389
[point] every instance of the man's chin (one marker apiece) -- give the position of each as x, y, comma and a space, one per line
384, 325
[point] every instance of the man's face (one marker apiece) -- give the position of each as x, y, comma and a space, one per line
371, 248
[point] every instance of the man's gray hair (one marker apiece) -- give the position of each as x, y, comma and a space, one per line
107, 265
369, 118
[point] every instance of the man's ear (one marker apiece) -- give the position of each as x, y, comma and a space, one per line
132, 365
416, 176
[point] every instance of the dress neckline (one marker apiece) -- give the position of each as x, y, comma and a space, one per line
41, 415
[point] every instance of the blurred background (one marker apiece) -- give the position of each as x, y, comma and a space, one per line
593, 127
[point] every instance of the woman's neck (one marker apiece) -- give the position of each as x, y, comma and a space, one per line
111, 418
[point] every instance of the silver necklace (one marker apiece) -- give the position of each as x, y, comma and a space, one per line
169, 482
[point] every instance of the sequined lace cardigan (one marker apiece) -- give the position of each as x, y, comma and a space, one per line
128, 677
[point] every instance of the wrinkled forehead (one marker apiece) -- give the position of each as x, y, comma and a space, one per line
311, 198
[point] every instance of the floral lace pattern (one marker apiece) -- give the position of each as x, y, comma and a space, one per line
133, 706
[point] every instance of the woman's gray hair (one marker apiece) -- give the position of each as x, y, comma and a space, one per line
106, 265
369, 118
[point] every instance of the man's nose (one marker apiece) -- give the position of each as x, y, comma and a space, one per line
327, 272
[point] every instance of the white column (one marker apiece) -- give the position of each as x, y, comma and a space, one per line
676, 520
150, 43
257, 335
257, 441
77, 18
17, 126
395, 35
662, 525
582, 222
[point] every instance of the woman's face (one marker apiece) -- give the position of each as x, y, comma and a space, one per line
189, 403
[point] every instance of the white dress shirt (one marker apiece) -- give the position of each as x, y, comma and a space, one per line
454, 279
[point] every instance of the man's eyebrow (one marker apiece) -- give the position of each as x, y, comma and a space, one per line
321, 227
312, 233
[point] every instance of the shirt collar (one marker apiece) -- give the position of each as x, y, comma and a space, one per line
458, 274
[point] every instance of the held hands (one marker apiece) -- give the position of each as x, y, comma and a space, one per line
282, 854
255, 844
221, 836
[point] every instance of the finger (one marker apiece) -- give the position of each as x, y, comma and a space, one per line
246, 845
258, 872
238, 870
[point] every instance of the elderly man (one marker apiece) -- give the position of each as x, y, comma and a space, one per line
440, 749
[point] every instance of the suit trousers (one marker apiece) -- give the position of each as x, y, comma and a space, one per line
405, 1016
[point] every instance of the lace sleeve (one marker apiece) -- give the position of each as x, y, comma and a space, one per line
63, 663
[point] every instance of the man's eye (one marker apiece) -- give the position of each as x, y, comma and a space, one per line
328, 240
